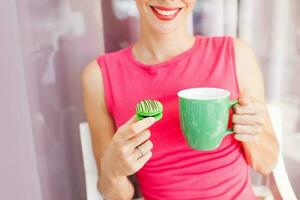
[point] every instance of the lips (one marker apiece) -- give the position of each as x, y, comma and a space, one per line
165, 13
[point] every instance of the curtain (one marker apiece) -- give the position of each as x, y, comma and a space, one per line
272, 28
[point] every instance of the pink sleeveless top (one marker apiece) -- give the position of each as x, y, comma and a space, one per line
176, 171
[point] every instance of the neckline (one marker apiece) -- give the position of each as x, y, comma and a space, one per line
165, 63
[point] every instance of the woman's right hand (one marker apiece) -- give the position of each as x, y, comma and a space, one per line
122, 157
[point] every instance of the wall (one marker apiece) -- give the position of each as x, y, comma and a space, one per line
18, 161
48, 43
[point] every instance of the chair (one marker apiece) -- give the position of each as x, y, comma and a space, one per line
89, 163
279, 173
281, 179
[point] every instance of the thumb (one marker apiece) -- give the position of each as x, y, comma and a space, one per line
244, 100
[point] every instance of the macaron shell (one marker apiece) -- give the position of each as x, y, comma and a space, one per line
149, 107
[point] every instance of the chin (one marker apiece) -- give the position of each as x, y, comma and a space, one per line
165, 29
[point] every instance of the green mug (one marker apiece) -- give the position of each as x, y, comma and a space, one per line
204, 115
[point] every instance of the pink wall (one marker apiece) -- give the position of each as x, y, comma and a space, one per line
47, 43
18, 159
119, 32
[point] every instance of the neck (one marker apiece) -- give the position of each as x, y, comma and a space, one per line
152, 47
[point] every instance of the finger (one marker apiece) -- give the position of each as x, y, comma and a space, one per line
139, 126
246, 137
248, 119
249, 109
142, 160
145, 148
131, 120
247, 129
139, 163
140, 138
124, 134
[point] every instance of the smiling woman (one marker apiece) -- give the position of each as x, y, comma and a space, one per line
166, 59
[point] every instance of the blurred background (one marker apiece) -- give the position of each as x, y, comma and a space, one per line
45, 45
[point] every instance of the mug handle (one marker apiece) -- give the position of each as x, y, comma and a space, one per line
231, 104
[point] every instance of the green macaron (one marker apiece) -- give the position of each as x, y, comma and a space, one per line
149, 108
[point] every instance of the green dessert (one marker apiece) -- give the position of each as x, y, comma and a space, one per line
149, 108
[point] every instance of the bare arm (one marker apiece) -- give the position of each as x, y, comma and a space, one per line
252, 119
102, 130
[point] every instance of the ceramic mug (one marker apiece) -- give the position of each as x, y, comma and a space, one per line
204, 115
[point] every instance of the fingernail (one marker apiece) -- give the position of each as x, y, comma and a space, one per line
245, 100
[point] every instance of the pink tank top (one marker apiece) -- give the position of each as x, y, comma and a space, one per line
176, 171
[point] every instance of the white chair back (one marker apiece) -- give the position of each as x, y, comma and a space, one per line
89, 163
279, 172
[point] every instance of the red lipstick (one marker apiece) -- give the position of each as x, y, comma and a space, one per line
165, 13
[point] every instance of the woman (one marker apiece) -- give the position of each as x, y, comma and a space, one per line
164, 60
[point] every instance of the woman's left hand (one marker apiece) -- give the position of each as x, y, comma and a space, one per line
248, 119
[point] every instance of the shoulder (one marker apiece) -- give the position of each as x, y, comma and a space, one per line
248, 70
243, 50
91, 78
246, 61
92, 72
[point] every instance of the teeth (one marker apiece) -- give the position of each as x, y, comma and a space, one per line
165, 12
